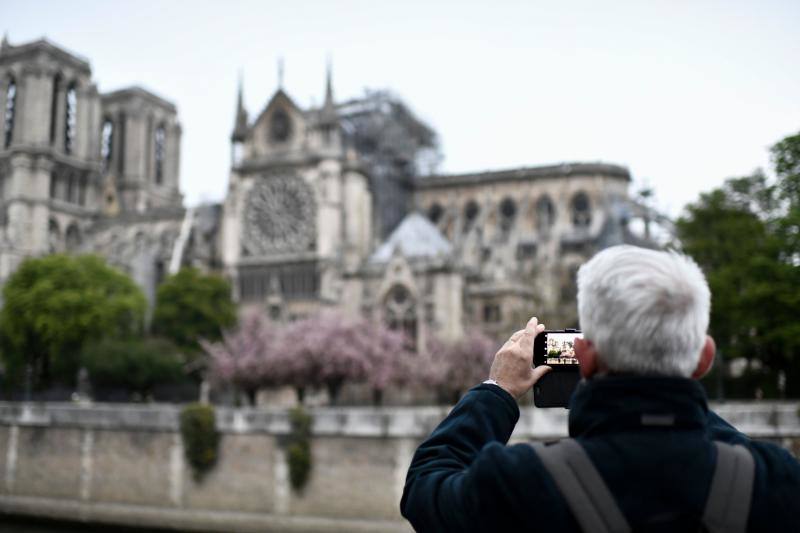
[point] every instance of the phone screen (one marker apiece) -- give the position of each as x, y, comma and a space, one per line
556, 349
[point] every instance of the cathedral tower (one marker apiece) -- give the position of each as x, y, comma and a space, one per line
49, 162
297, 207
72, 158
139, 146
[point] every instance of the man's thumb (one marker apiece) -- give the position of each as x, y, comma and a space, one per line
538, 372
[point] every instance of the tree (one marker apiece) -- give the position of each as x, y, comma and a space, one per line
324, 350
54, 305
745, 237
249, 356
389, 360
191, 306
136, 365
455, 366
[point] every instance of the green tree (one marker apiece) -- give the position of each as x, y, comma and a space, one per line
135, 364
191, 306
54, 305
744, 236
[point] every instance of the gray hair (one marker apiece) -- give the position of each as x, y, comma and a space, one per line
645, 311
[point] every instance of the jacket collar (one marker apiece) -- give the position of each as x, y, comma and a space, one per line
619, 403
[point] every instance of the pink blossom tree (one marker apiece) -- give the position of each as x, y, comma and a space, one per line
389, 360
249, 356
455, 366
324, 350
330, 350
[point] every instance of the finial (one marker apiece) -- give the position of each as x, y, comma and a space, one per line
4, 44
239, 103
280, 73
240, 122
328, 80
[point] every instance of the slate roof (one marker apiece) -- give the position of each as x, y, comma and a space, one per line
415, 236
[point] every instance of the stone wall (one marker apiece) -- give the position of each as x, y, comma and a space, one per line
124, 464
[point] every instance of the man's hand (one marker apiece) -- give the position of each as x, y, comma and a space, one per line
512, 368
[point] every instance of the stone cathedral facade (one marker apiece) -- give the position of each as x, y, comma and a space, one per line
332, 206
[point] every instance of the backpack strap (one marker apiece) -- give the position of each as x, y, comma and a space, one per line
584, 490
728, 504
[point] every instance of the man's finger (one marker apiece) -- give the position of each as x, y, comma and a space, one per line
531, 330
514, 338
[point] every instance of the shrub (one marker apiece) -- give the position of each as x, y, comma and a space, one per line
298, 451
200, 438
132, 364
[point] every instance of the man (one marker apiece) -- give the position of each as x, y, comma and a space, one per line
644, 316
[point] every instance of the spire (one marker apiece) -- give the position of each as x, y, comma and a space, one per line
280, 73
329, 83
240, 124
328, 114
4, 44
239, 104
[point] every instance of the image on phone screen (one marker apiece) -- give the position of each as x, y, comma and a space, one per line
560, 348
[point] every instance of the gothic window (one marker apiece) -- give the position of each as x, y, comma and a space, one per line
70, 118
53, 184
82, 186
70, 189
435, 213
121, 121
10, 112
53, 236
280, 127
508, 212
526, 250
72, 238
400, 312
160, 151
293, 281
491, 313
471, 211
569, 284
160, 271
107, 143
54, 108
581, 214
545, 213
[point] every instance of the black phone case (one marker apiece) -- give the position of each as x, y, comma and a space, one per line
555, 388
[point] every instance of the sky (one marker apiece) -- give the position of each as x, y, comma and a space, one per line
683, 93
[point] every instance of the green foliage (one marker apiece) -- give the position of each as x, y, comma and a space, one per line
200, 438
298, 451
55, 304
134, 364
745, 237
191, 306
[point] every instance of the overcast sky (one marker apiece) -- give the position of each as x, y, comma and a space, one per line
684, 93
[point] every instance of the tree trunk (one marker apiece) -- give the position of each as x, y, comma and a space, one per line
301, 395
377, 397
251, 397
334, 388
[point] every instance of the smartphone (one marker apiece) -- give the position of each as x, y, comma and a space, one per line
557, 350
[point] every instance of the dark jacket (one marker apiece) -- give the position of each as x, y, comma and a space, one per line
465, 478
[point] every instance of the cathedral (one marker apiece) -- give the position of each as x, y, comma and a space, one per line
334, 206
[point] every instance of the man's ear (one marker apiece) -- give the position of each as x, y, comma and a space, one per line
706, 358
587, 357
